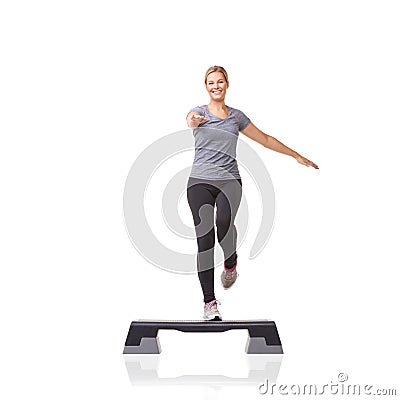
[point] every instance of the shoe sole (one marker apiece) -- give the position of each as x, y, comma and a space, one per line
216, 318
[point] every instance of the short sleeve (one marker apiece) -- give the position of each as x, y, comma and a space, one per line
242, 119
197, 109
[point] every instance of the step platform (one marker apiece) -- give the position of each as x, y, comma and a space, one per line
143, 334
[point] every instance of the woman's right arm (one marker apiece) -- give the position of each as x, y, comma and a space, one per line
194, 119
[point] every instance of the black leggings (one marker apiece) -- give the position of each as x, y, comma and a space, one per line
202, 196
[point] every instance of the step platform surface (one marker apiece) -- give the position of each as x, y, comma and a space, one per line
143, 334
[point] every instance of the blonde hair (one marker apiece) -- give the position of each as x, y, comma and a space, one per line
216, 68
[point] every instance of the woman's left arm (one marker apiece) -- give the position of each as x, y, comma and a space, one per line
270, 142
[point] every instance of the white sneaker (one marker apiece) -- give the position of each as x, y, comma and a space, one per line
228, 277
211, 311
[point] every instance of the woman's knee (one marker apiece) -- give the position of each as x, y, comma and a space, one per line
224, 222
207, 241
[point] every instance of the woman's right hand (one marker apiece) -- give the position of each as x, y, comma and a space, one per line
194, 120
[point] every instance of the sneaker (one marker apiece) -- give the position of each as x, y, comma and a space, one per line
229, 276
211, 311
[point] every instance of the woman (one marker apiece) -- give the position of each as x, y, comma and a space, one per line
215, 181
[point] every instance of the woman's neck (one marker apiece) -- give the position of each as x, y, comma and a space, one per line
217, 105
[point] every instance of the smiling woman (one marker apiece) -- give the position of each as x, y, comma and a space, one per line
216, 81
215, 181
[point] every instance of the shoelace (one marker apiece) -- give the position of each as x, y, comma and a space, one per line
229, 274
212, 303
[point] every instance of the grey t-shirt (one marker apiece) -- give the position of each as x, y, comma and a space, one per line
215, 144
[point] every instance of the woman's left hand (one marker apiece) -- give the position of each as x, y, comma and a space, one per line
302, 160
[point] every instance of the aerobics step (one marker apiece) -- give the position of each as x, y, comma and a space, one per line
143, 334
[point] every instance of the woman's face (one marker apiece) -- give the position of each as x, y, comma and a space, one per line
216, 86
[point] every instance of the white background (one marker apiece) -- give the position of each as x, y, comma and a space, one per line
86, 86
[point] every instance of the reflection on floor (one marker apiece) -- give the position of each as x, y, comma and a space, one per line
143, 370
